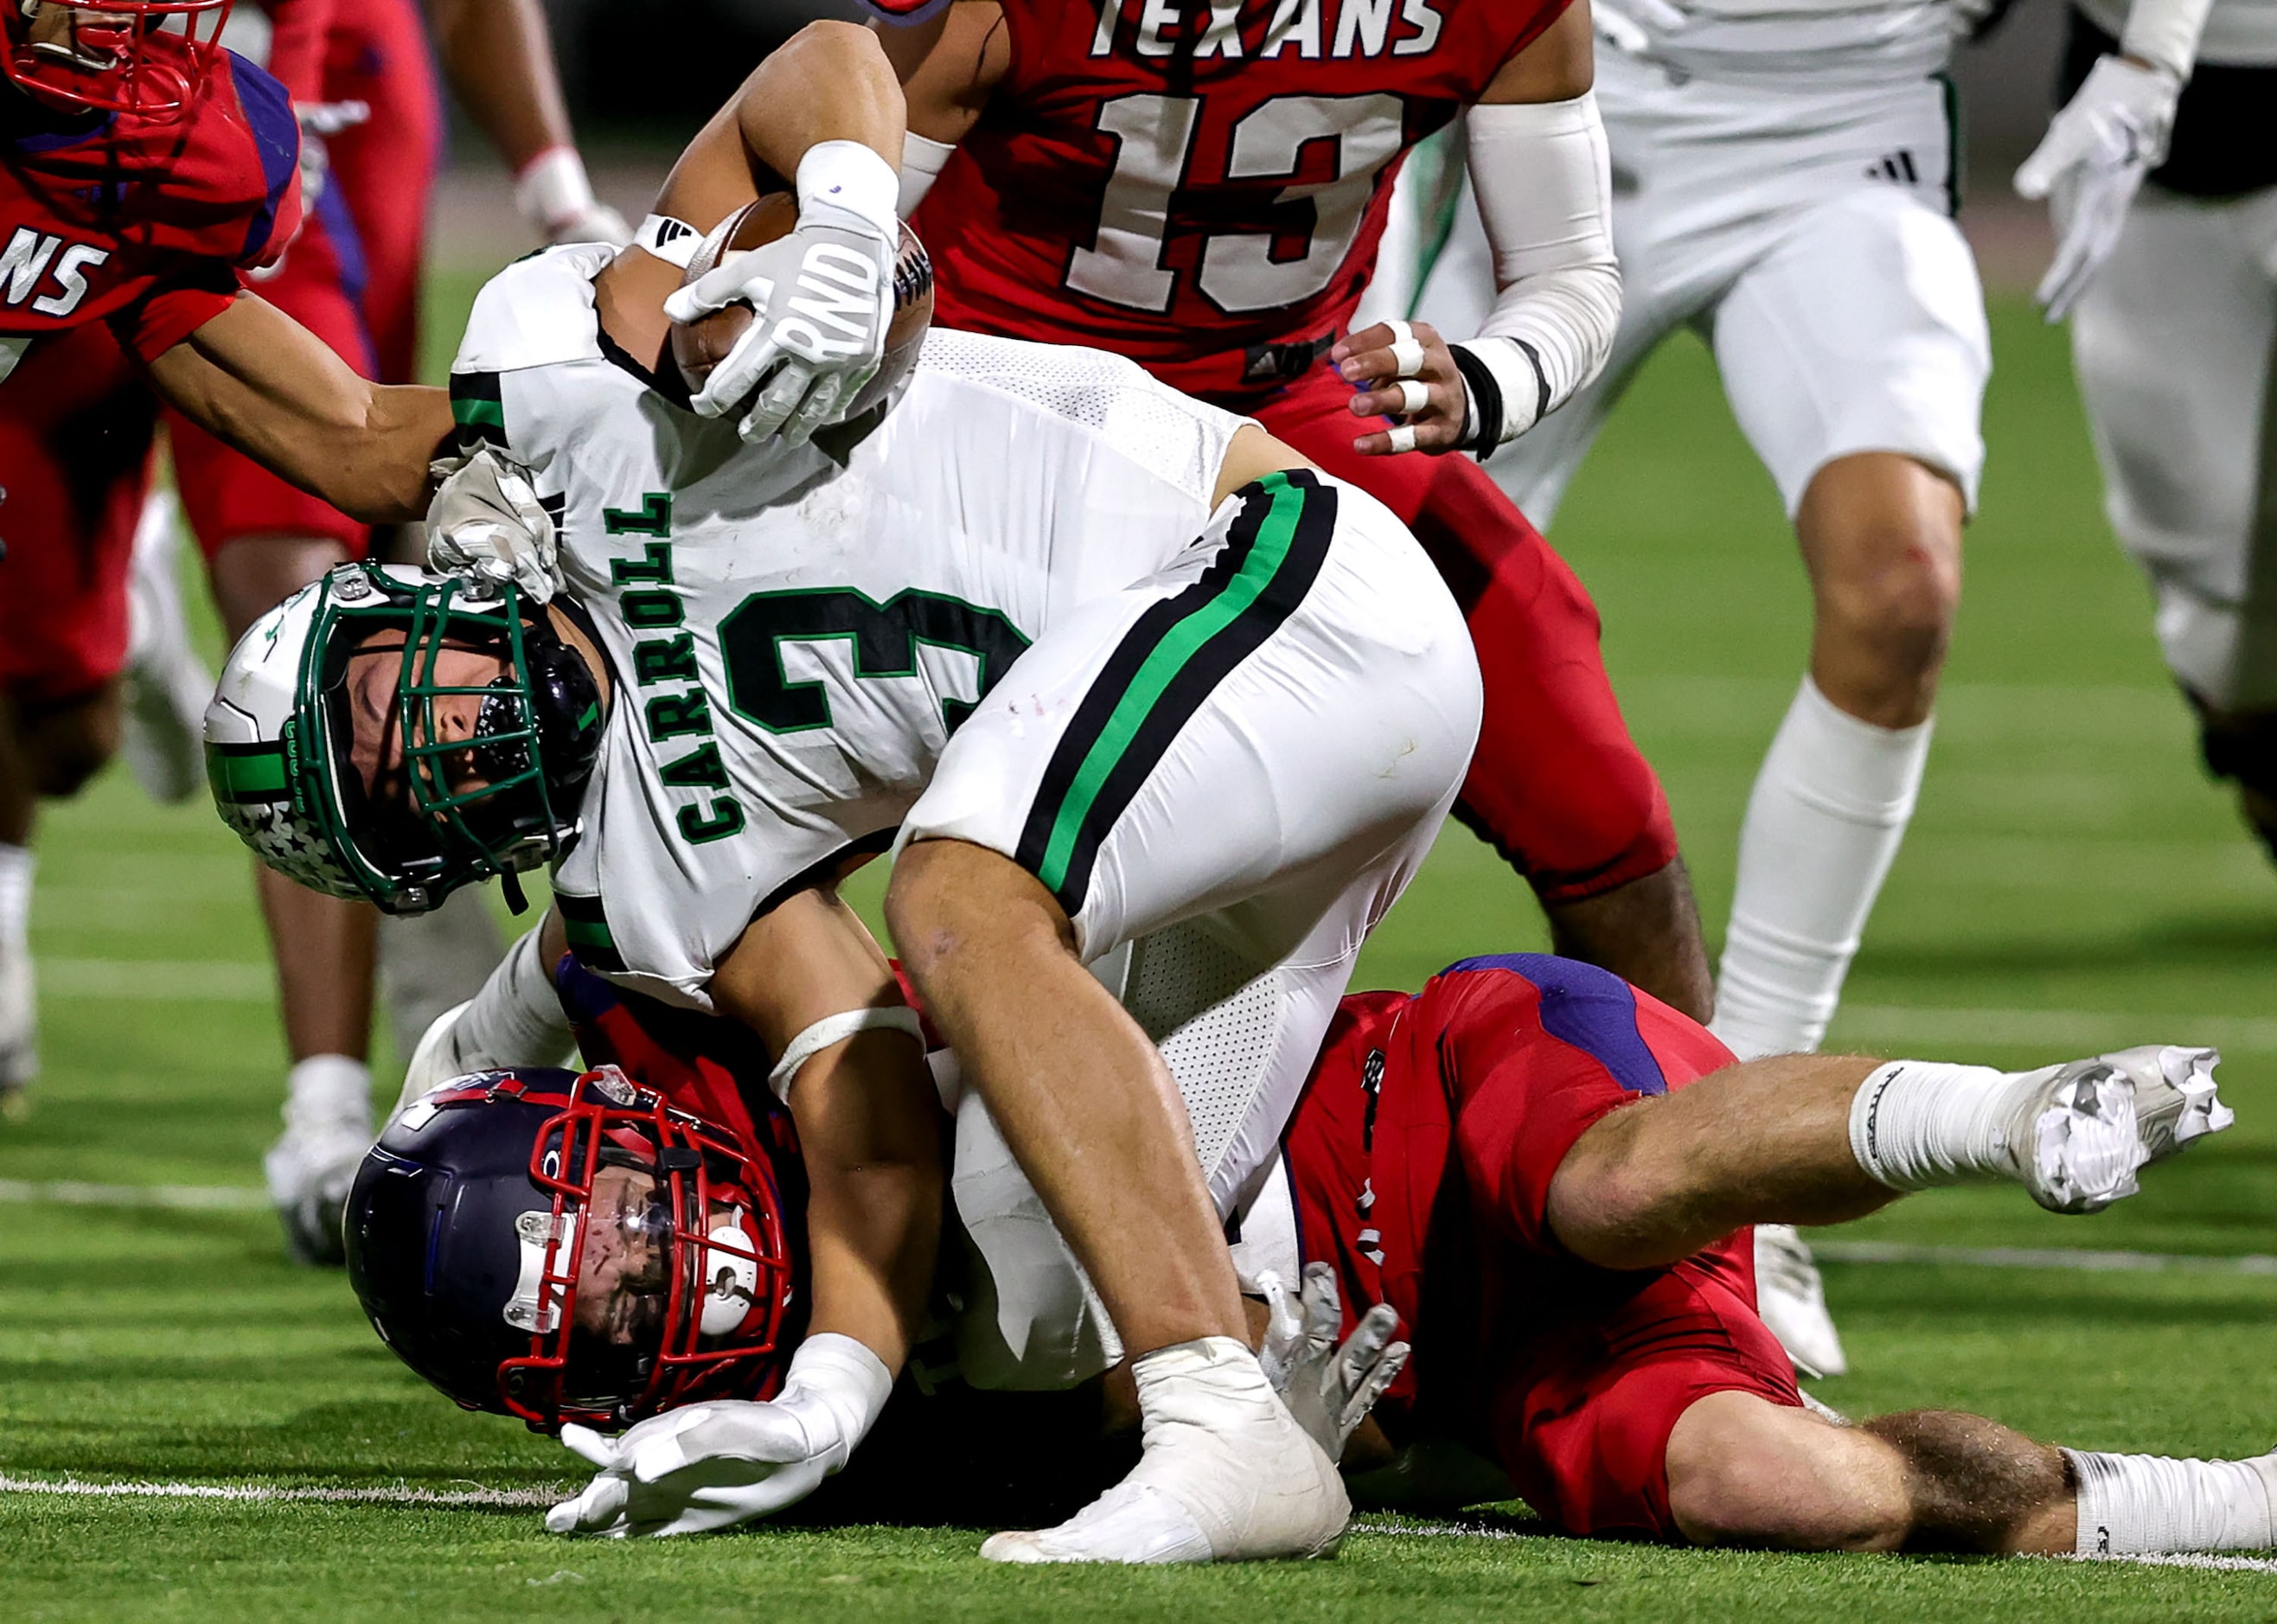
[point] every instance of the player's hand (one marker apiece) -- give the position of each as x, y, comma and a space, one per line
486, 521
712, 1466
1408, 375
691, 1471
2098, 149
319, 121
1328, 1387
822, 298
556, 195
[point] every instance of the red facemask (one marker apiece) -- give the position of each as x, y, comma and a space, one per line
145, 57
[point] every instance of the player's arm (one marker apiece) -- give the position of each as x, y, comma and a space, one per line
257, 380
499, 57
1541, 173
2108, 137
949, 64
863, 1102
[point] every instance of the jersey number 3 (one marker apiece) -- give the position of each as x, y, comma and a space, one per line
1155, 143
885, 638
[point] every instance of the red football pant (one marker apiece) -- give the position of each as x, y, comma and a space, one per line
1556, 783
76, 426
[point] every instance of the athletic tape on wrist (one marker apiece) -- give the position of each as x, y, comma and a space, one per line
1482, 410
836, 1029
552, 187
848, 175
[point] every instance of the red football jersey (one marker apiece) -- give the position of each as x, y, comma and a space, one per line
140, 221
1200, 187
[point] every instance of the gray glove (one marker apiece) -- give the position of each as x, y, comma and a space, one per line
822, 297
712, 1466
486, 522
1329, 1386
2110, 135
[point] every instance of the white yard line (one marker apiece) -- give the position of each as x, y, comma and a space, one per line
176, 1197
2078, 1030
2043, 1257
157, 980
481, 1499
517, 1499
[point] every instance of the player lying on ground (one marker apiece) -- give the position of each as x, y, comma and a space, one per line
1547, 1175
1197, 689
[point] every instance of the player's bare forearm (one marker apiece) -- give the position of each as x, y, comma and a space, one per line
257, 380
1557, 64
868, 1119
830, 82
499, 57
949, 67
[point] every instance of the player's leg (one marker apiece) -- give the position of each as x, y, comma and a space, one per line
1557, 785
1743, 1470
1242, 737
2175, 343
1855, 355
75, 432
166, 685
1823, 1139
265, 540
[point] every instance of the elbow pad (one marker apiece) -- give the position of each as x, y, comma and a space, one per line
922, 159
1543, 179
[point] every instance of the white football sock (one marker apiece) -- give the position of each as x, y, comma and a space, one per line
1824, 824
2131, 1504
1916, 1125
16, 865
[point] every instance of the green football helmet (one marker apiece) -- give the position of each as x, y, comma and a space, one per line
279, 736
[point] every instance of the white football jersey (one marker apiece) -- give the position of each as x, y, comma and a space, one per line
792, 641
2239, 34
1822, 43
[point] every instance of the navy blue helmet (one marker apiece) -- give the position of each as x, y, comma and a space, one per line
565, 1248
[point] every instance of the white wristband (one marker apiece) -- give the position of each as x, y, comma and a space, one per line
836, 1029
850, 176
673, 241
552, 189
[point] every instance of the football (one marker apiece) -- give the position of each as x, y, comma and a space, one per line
700, 346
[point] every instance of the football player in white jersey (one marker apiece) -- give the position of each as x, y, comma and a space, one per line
2162, 168
1097, 660
1783, 182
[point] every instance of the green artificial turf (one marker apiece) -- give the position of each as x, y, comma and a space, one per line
2071, 882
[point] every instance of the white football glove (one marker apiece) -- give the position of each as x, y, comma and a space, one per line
822, 297
712, 1466
1328, 1387
2098, 149
486, 521
555, 195
319, 121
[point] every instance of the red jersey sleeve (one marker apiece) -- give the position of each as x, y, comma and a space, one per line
296, 45
151, 326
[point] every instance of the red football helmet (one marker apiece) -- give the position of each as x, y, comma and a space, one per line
143, 56
571, 1249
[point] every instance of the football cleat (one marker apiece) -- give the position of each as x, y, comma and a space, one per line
327, 1129
19, 1030
1226, 1476
166, 685
2079, 1135
1791, 1298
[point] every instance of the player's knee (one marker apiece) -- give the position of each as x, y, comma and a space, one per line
1884, 536
1745, 1471
1612, 1198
